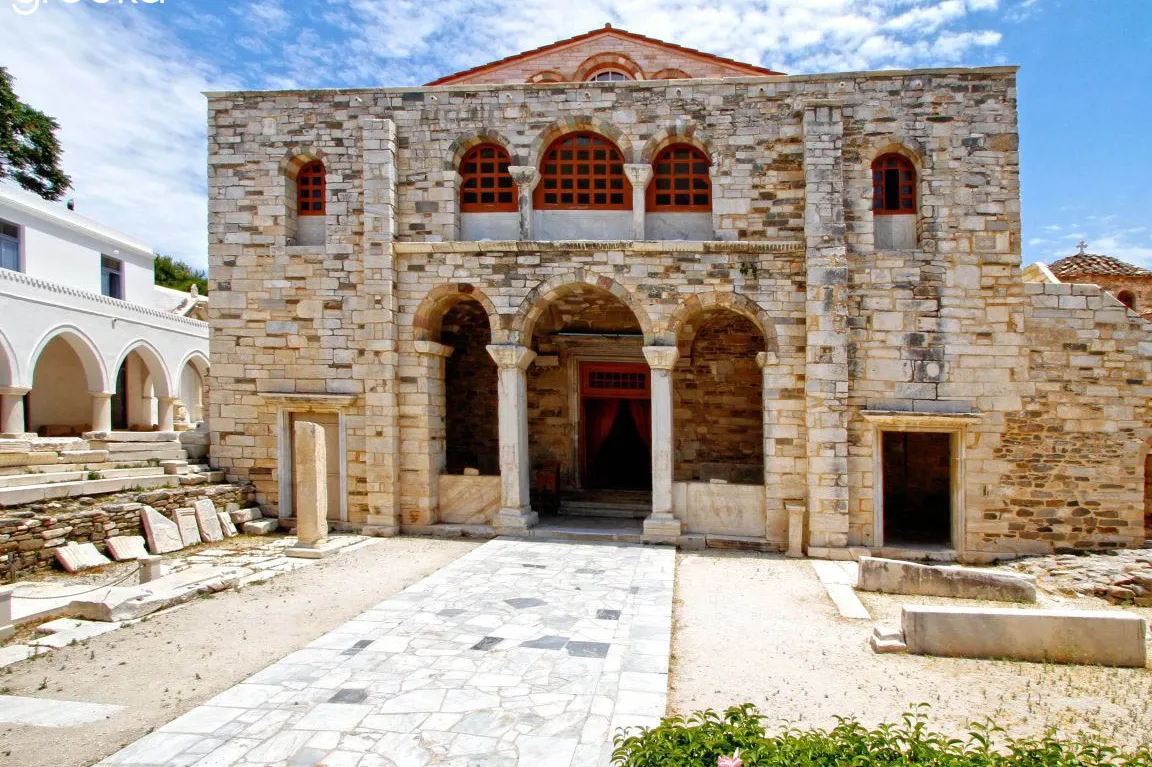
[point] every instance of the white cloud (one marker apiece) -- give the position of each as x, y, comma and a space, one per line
132, 120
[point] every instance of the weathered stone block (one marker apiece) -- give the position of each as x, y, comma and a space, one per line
891, 576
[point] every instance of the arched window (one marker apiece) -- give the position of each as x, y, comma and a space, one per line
893, 185
486, 186
608, 76
1127, 298
583, 171
310, 189
680, 180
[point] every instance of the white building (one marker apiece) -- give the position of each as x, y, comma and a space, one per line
87, 341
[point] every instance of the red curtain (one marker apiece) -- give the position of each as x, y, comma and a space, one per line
601, 414
641, 410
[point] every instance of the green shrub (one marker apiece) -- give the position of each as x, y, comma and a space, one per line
701, 738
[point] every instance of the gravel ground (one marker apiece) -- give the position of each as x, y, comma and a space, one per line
760, 629
172, 662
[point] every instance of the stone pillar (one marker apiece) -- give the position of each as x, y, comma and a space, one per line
12, 410
165, 412
101, 410
426, 461
310, 477
639, 174
377, 362
7, 628
525, 177
661, 526
785, 460
515, 507
826, 369
151, 568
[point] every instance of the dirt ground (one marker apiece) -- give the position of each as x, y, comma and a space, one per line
761, 629
172, 662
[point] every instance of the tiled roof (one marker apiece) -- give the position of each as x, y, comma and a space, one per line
606, 29
1090, 263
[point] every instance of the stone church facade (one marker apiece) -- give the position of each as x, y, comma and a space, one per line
617, 276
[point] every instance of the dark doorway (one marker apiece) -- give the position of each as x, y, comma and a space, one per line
619, 456
120, 399
1148, 497
917, 488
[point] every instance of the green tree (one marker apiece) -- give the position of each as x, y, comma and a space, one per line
29, 150
177, 275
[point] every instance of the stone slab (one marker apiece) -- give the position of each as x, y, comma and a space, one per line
207, 521
120, 603
66, 631
891, 576
226, 525
468, 499
18, 652
75, 557
1106, 638
185, 519
162, 533
125, 547
320, 550
240, 516
45, 712
310, 476
261, 526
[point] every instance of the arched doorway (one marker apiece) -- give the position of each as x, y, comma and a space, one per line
589, 406
472, 440
59, 404
192, 391
141, 382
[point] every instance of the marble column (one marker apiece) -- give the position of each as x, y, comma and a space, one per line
165, 412
639, 174
661, 526
515, 507
525, 177
101, 410
12, 409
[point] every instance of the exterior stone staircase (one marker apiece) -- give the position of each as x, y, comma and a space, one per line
40, 469
634, 504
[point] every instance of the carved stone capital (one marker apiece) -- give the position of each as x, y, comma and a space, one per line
511, 356
661, 357
524, 175
639, 174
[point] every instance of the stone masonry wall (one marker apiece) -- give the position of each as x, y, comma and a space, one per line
28, 534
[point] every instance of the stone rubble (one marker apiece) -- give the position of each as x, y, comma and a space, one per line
1122, 578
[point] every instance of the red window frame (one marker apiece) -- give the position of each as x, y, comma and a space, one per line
486, 186
893, 185
615, 380
311, 190
680, 180
583, 171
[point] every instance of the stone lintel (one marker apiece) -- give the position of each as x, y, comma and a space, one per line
908, 419
311, 401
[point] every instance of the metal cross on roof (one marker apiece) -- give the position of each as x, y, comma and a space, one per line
1083, 247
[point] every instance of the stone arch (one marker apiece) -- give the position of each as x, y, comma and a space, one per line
534, 304
94, 372
671, 73
547, 76
161, 379
430, 312
297, 157
192, 386
679, 132
609, 60
575, 124
9, 364
466, 141
907, 147
734, 302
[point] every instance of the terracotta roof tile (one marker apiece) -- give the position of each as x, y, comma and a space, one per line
1090, 263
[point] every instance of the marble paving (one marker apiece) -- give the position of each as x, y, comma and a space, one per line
519, 653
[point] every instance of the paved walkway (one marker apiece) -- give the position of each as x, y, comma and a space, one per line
519, 653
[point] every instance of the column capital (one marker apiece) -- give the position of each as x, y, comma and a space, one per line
638, 173
661, 357
102, 394
166, 399
433, 349
764, 359
14, 391
511, 356
524, 175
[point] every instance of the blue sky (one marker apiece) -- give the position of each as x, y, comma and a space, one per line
124, 80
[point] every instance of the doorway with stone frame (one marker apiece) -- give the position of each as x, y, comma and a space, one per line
615, 426
916, 469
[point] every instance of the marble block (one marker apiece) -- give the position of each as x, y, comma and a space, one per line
123, 547
185, 519
207, 521
724, 509
74, 557
469, 500
311, 479
226, 525
162, 533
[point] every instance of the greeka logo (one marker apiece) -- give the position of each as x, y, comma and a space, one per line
29, 7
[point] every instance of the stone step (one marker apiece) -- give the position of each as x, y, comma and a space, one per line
153, 456
57, 468
17, 496
601, 509
98, 439
24, 480
118, 448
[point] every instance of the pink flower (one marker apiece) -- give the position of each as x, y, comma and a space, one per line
730, 761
